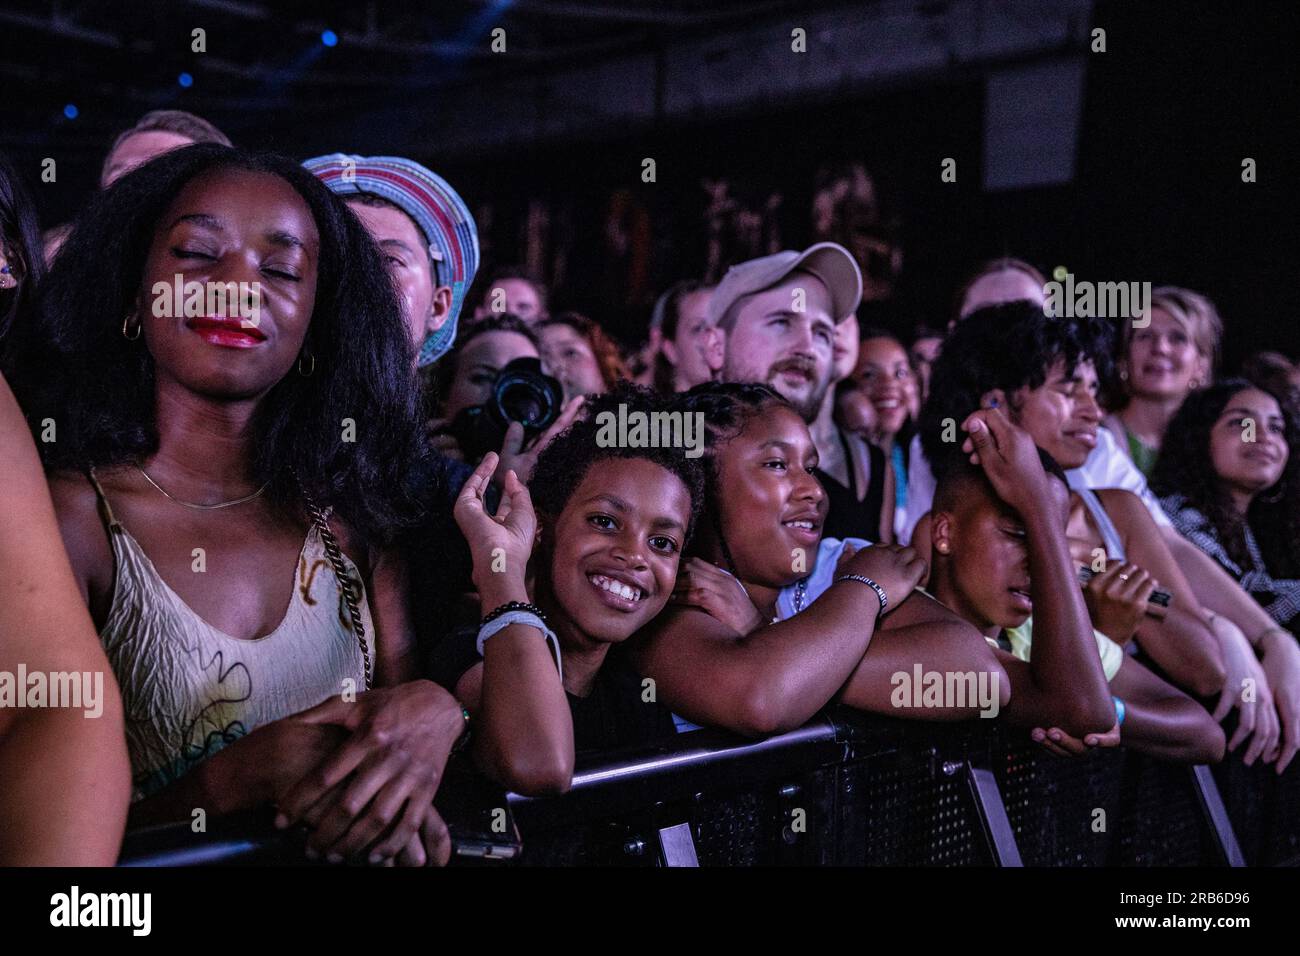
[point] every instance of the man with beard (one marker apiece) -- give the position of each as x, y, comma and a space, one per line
779, 314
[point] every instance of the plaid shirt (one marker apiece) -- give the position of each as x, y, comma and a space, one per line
1280, 597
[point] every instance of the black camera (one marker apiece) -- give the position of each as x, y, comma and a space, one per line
521, 393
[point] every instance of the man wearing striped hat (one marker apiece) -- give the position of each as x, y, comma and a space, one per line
423, 228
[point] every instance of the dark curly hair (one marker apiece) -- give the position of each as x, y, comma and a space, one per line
564, 463
20, 240
1185, 467
1009, 347
103, 397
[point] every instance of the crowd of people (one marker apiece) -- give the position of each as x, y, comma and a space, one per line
1083, 515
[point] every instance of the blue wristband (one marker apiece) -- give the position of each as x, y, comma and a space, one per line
1119, 711
528, 618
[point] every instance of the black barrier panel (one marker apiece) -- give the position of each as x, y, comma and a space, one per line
847, 790
908, 809
903, 797
1052, 803
1162, 822
241, 839
1109, 808
739, 798
1264, 809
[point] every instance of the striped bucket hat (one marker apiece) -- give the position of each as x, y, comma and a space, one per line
435, 207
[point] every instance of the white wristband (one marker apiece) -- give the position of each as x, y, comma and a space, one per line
528, 618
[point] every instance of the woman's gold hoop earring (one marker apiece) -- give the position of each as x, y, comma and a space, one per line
310, 368
126, 324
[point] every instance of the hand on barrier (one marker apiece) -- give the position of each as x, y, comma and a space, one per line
1281, 663
1117, 600
1057, 741
897, 569
701, 584
371, 799
1247, 688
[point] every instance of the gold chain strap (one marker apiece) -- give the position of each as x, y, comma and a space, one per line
335, 554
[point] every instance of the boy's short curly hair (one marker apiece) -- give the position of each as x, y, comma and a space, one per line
564, 463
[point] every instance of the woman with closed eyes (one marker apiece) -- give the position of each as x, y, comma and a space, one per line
227, 481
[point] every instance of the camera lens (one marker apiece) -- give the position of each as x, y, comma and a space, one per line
521, 402
524, 393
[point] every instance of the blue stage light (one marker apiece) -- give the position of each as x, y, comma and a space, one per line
71, 111
329, 38
185, 80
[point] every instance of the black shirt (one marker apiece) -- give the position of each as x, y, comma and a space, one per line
436, 553
848, 517
614, 714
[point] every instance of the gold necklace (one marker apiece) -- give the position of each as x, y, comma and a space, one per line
199, 507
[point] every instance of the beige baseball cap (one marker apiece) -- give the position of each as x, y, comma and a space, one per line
828, 261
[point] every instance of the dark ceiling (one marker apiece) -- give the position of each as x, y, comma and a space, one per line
115, 59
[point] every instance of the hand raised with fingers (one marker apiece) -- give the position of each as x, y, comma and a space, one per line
521, 460
1009, 458
500, 542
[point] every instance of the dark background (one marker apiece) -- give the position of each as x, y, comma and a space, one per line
1183, 93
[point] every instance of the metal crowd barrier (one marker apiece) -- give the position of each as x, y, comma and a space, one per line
852, 790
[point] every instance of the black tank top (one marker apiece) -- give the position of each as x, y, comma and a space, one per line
848, 517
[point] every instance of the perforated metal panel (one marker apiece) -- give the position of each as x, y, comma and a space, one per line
1162, 823
900, 809
1264, 810
735, 830
1052, 804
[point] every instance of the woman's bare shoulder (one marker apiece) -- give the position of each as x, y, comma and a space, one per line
76, 507
75, 501
1124, 507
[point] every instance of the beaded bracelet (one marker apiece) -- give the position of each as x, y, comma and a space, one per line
509, 606
528, 618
